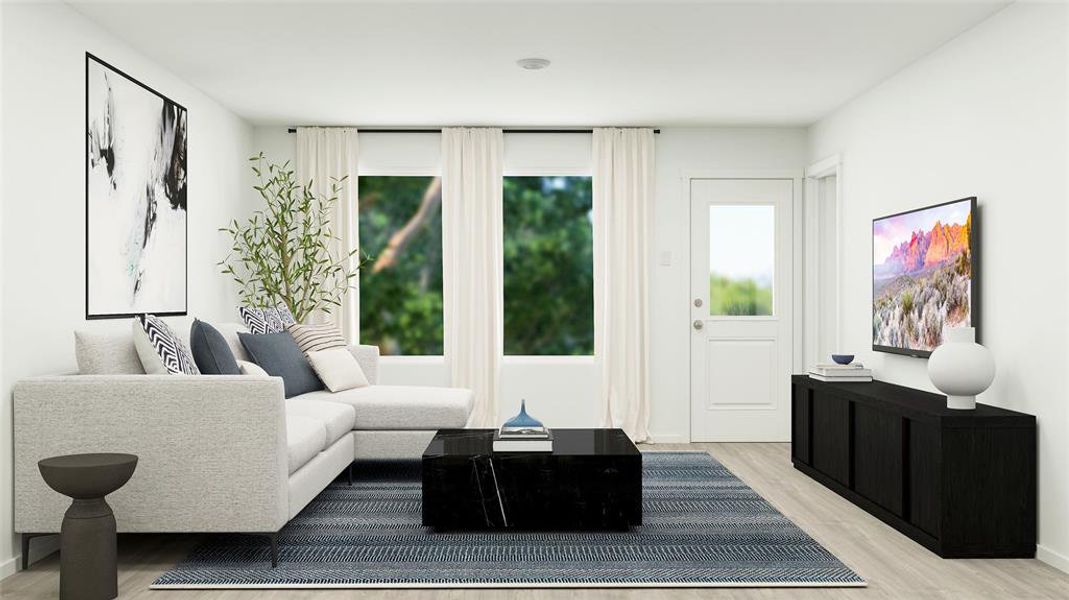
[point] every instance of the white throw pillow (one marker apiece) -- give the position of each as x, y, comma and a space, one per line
338, 369
105, 353
251, 368
311, 338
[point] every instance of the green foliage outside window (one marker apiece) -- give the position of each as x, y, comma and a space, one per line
401, 287
548, 260
739, 297
549, 266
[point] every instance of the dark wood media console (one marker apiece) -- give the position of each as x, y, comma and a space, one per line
960, 483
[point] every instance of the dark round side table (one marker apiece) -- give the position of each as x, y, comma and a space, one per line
87, 546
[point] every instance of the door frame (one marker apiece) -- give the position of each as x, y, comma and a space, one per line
797, 246
815, 173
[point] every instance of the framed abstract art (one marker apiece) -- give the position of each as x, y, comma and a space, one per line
136, 228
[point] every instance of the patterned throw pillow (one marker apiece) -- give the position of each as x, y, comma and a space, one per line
274, 321
286, 316
266, 320
254, 319
313, 338
160, 349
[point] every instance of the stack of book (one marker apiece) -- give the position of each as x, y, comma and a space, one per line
852, 373
509, 439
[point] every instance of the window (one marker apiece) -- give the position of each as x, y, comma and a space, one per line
549, 266
401, 287
742, 247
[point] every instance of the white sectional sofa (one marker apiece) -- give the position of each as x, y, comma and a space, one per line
223, 453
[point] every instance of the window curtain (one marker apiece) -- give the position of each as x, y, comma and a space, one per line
623, 194
473, 263
324, 153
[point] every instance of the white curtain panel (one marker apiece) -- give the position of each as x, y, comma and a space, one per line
324, 153
473, 263
623, 195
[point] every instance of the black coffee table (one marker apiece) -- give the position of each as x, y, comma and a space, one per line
591, 481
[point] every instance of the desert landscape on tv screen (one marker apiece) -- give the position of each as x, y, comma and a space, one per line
922, 276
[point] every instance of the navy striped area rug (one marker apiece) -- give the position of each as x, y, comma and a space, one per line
702, 527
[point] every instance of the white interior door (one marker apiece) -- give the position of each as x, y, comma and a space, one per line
741, 305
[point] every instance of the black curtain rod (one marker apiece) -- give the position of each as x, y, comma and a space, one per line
386, 130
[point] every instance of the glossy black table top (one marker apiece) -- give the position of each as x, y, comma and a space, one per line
566, 442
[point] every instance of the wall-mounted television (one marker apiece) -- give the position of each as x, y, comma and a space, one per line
924, 276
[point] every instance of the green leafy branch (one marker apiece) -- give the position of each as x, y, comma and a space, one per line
287, 252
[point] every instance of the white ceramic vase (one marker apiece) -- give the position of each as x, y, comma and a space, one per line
961, 368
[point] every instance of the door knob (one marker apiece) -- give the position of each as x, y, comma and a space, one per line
698, 324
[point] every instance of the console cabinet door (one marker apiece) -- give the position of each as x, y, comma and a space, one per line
925, 460
878, 456
831, 441
800, 423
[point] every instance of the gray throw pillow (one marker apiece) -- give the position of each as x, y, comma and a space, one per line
210, 350
280, 356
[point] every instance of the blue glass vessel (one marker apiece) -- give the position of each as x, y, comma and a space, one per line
523, 420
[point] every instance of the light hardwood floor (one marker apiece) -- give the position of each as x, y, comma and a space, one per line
894, 566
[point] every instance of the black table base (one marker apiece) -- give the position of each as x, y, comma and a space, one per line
591, 481
87, 551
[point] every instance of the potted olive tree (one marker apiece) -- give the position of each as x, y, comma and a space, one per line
286, 253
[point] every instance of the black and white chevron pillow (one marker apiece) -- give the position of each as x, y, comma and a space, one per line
254, 319
266, 320
170, 348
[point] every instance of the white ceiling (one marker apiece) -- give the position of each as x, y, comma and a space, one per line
614, 63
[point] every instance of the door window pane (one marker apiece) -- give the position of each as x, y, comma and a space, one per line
549, 266
742, 248
401, 287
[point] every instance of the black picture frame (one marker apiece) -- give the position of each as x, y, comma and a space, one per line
974, 281
89, 316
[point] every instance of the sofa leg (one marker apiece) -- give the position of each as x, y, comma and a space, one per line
350, 472
274, 549
272, 538
26, 537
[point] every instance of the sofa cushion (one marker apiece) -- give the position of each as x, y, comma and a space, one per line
210, 350
337, 417
251, 368
106, 353
279, 355
230, 333
404, 407
305, 437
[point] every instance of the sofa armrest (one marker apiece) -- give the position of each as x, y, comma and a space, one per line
211, 449
368, 357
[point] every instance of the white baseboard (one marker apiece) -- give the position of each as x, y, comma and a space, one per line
9, 566
1052, 558
669, 438
40, 547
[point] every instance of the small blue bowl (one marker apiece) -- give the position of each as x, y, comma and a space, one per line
843, 359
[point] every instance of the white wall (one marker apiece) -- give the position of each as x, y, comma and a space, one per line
43, 199
985, 116
682, 153
563, 391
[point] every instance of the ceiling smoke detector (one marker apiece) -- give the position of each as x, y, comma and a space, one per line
533, 64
